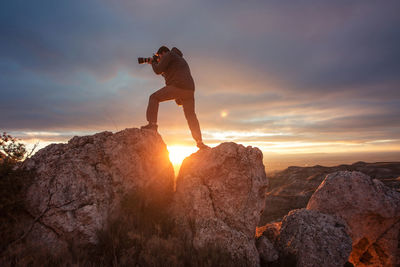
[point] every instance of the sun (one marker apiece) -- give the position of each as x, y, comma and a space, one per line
178, 153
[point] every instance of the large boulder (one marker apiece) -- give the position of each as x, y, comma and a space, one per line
78, 185
220, 194
310, 238
372, 211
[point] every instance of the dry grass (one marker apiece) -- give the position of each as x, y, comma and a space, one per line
13, 185
141, 234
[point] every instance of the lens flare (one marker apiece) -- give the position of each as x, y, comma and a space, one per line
178, 153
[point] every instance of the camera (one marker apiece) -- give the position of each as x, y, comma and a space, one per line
143, 60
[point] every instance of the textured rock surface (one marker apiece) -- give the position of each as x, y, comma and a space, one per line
310, 238
270, 231
372, 211
267, 243
79, 184
267, 251
220, 194
292, 188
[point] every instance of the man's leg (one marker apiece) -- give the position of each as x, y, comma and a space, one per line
164, 94
190, 115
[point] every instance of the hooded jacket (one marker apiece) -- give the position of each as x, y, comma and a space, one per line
175, 70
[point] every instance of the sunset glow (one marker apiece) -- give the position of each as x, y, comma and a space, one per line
178, 153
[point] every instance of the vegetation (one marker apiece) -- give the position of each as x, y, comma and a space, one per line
12, 150
13, 182
144, 234
141, 233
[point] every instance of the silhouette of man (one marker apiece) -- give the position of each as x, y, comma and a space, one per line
179, 86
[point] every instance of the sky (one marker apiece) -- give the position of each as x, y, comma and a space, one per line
303, 78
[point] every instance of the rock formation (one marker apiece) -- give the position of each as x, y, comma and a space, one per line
306, 238
372, 211
314, 239
292, 188
220, 194
78, 185
219, 198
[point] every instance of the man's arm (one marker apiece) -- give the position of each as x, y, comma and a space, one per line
161, 66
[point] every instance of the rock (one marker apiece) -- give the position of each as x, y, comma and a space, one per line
270, 231
310, 238
78, 185
220, 194
372, 211
266, 249
292, 188
266, 243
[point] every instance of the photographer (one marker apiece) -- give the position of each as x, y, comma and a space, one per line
179, 87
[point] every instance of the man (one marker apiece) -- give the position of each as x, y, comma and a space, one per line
179, 86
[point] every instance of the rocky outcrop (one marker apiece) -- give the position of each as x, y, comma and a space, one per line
305, 238
78, 185
108, 198
310, 238
220, 194
292, 188
372, 211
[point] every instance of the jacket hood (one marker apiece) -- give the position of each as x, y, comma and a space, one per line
177, 51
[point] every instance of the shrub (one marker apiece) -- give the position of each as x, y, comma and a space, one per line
13, 182
11, 149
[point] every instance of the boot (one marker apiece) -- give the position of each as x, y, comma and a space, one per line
150, 126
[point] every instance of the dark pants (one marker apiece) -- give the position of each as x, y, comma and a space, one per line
185, 97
